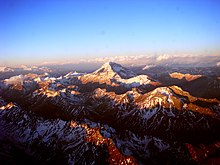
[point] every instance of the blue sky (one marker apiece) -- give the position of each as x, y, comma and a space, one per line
33, 31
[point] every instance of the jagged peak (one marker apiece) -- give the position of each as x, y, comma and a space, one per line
116, 69
110, 63
109, 66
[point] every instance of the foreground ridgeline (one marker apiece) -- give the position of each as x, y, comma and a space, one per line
113, 115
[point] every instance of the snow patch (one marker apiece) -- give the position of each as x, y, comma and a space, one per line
15, 80
148, 66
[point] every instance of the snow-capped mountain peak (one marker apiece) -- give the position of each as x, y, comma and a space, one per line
5, 69
116, 75
115, 70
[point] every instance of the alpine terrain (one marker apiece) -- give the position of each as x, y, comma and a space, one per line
113, 115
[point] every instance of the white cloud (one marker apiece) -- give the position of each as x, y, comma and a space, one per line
163, 57
169, 59
50, 62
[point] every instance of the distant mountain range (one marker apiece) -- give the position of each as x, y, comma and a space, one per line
150, 114
144, 61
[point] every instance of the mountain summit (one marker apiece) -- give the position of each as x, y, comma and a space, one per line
111, 69
116, 75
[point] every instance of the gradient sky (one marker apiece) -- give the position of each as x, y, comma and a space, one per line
33, 31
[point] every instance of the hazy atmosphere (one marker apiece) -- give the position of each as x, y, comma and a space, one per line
41, 32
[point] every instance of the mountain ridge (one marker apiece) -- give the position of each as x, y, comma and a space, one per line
129, 117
